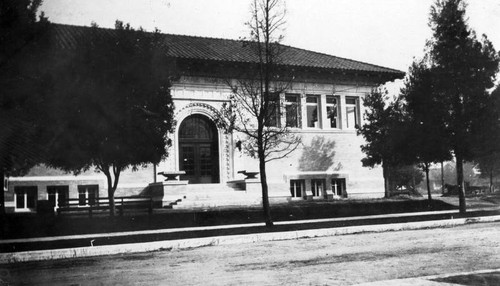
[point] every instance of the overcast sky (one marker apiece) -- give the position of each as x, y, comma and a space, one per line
384, 32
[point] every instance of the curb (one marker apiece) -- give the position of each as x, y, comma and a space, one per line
91, 251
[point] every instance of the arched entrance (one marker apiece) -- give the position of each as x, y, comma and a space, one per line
199, 150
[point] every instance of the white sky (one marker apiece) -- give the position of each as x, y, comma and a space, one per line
384, 32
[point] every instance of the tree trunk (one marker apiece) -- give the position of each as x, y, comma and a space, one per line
111, 199
3, 218
154, 173
442, 177
387, 187
413, 183
429, 197
491, 181
111, 185
263, 183
460, 183
2, 193
111, 194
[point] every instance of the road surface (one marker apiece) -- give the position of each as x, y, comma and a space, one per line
339, 260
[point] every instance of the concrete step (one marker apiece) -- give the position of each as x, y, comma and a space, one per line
171, 204
209, 199
196, 204
207, 187
210, 195
217, 196
206, 195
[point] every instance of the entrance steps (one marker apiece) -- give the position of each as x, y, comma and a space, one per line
212, 195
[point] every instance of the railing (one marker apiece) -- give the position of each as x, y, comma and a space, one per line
121, 203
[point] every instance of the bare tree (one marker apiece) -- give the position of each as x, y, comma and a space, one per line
255, 108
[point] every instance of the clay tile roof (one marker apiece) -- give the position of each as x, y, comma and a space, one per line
225, 50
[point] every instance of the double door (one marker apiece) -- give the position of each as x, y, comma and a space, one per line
198, 150
200, 162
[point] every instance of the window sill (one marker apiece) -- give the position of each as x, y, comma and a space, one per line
24, 210
320, 131
323, 131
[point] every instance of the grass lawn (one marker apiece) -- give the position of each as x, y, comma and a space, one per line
32, 225
25, 226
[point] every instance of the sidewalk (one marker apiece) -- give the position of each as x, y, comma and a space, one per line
182, 238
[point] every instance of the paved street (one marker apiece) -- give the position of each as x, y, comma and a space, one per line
340, 260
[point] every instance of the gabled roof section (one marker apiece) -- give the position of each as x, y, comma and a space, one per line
225, 50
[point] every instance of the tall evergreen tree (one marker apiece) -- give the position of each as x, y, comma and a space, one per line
426, 132
487, 147
383, 132
22, 48
464, 68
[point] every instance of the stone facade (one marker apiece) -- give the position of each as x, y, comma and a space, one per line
205, 96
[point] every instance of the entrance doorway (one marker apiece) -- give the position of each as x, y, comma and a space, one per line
199, 150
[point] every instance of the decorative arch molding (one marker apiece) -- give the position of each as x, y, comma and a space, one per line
225, 140
196, 108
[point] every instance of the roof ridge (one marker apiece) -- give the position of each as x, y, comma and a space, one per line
205, 37
162, 33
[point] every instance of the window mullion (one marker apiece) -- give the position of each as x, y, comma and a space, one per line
322, 112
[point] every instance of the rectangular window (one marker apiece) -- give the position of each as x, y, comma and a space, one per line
317, 187
332, 107
26, 197
273, 111
312, 107
352, 112
292, 110
58, 195
88, 195
20, 199
296, 187
92, 196
82, 197
338, 187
